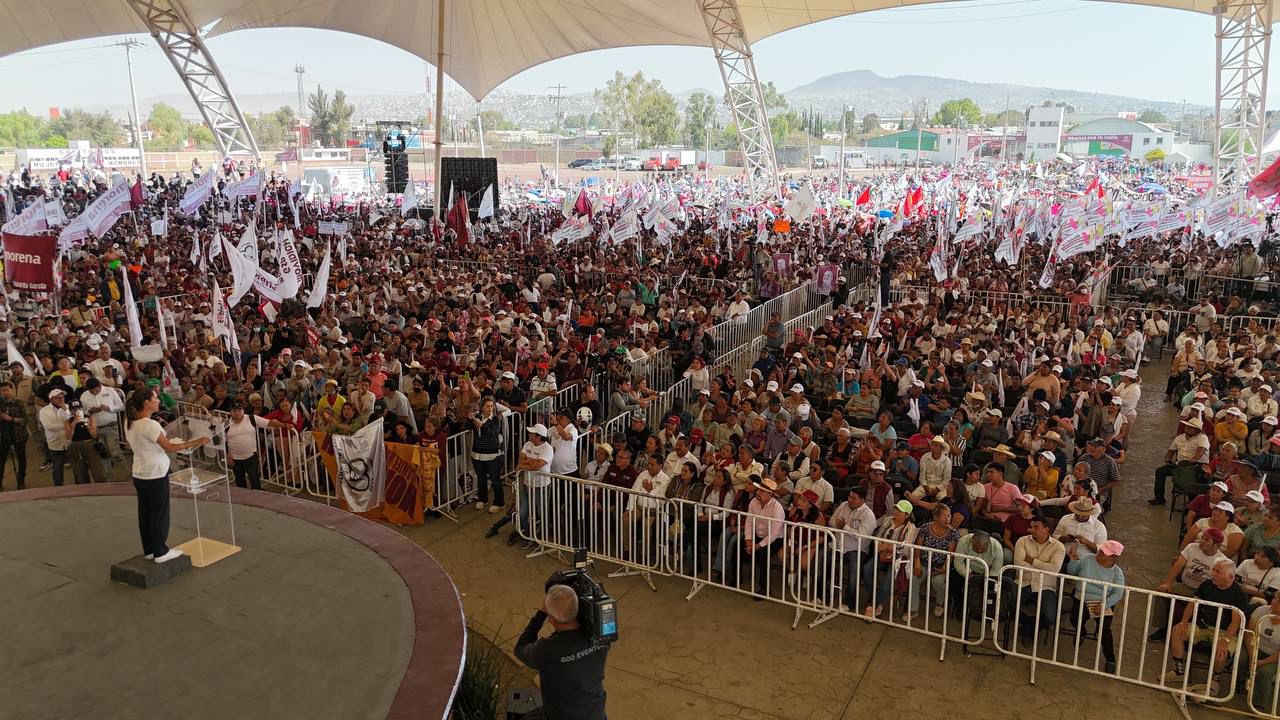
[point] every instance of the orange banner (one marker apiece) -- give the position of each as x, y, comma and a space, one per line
410, 483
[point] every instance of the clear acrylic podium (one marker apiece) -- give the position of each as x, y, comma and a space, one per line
202, 474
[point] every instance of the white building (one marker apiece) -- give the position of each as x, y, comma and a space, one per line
1116, 137
1044, 133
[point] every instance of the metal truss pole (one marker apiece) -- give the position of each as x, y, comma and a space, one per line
1244, 48
179, 38
743, 93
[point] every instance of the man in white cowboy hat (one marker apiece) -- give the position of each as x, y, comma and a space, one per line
757, 538
1189, 449
1081, 531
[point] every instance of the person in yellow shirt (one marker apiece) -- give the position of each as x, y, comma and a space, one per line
1231, 428
331, 400
1042, 478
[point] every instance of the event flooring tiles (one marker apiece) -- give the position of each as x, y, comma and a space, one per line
257, 636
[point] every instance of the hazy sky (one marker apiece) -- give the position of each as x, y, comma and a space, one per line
1072, 44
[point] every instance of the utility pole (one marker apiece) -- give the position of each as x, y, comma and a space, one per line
558, 97
844, 113
437, 207
1004, 130
302, 91
128, 46
480, 129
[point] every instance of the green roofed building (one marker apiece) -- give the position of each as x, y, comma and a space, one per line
906, 140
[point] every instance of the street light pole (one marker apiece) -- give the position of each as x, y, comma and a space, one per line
558, 98
128, 46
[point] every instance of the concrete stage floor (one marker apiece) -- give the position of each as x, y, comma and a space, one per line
317, 617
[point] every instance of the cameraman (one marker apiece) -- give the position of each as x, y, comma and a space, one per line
570, 663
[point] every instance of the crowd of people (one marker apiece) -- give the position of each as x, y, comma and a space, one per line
973, 410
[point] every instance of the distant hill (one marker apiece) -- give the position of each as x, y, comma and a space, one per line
867, 92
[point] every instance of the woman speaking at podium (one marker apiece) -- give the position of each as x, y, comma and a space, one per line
151, 448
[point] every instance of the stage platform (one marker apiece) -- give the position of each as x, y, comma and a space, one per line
322, 615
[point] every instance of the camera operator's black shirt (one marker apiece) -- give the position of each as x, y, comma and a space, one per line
572, 670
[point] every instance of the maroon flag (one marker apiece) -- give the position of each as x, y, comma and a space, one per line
458, 220
137, 195
1267, 182
582, 205
28, 261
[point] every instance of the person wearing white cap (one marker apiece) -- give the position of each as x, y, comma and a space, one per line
1189, 453
935, 472
1221, 516
1231, 427
1258, 438
1262, 404
55, 420
1129, 392
535, 461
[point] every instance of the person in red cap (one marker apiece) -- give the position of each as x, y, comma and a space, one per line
1189, 570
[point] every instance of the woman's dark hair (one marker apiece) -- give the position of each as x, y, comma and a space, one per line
1271, 553
137, 401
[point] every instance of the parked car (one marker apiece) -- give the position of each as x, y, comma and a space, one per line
631, 163
926, 163
609, 163
820, 163
580, 162
592, 166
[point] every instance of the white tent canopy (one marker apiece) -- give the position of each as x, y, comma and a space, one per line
486, 41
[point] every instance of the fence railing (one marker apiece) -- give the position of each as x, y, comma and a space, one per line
1072, 622
1100, 628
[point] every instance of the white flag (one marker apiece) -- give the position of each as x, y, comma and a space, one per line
221, 319
131, 310
196, 255
248, 246
290, 265
486, 203
16, 357
362, 467
164, 334
410, 198
215, 247
197, 193
242, 270
321, 286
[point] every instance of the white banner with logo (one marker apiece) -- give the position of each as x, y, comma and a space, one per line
362, 467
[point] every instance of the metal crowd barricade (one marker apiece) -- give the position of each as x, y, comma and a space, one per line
797, 566
612, 432
948, 600
620, 525
1264, 697
287, 460
455, 478
1039, 626
567, 397
512, 440
541, 410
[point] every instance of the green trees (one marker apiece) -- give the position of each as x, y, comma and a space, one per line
98, 128
494, 120
22, 129
272, 130
330, 119
954, 112
640, 108
1152, 116
699, 116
